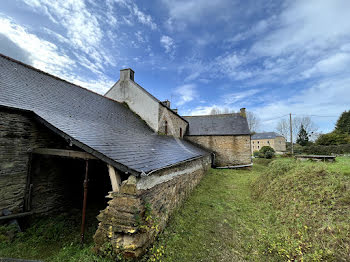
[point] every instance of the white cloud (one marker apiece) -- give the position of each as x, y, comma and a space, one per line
185, 93
168, 43
307, 27
325, 98
136, 12
183, 12
232, 98
44, 54
50, 58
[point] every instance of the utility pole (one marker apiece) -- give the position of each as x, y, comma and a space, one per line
291, 132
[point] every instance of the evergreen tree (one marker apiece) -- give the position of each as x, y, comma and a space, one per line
343, 123
303, 137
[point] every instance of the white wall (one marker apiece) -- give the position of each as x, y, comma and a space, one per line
139, 101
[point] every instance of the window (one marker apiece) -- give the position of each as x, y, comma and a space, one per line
180, 132
253, 142
268, 142
258, 147
166, 127
258, 142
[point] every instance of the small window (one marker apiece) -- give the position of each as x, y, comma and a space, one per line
258, 142
180, 132
253, 142
166, 127
268, 142
258, 147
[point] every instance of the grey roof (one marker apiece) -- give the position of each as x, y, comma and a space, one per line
225, 124
266, 135
98, 125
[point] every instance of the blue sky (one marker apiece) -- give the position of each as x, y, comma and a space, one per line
272, 57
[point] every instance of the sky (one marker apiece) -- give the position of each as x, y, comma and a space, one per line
271, 57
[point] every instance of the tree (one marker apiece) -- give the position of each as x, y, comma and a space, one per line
283, 127
253, 121
343, 124
303, 137
333, 138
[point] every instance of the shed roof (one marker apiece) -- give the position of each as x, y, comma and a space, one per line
98, 125
266, 135
224, 124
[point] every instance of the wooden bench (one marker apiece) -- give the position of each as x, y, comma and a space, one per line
316, 158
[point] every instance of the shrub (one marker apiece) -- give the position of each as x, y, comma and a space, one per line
256, 153
266, 152
333, 138
326, 150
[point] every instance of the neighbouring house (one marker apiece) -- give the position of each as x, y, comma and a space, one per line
272, 139
227, 135
127, 148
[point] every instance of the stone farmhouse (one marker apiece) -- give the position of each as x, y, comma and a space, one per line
272, 139
127, 148
227, 135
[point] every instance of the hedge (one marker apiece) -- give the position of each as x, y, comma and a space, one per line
326, 150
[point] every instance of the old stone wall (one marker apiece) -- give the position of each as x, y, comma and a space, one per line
173, 122
137, 213
18, 134
229, 150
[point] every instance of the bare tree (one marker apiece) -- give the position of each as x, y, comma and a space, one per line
283, 127
253, 121
218, 111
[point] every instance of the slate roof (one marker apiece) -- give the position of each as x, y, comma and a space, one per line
266, 135
224, 124
101, 126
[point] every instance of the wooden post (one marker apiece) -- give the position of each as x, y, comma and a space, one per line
84, 201
115, 178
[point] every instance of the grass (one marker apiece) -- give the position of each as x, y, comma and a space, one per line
279, 211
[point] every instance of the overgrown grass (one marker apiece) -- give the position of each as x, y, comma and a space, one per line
51, 239
286, 211
278, 211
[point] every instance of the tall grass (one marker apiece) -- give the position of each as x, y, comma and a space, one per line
312, 203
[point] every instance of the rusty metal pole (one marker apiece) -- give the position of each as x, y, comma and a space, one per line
84, 201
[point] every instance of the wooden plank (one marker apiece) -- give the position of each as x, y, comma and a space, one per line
16, 215
63, 153
115, 178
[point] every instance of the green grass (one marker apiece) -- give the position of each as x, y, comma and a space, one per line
50, 239
278, 211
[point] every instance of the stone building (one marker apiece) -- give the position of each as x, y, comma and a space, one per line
157, 114
272, 139
56, 136
126, 148
227, 135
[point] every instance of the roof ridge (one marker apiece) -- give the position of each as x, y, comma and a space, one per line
214, 115
53, 76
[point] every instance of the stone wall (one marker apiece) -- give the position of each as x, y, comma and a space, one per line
173, 121
141, 209
18, 134
278, 144
229, 150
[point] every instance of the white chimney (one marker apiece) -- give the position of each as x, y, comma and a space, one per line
126, 74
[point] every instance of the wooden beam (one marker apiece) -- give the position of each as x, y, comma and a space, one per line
115, 178
18, 215
63, 153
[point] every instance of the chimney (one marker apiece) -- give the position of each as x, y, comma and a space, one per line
127, 74
166, 103
243, 113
